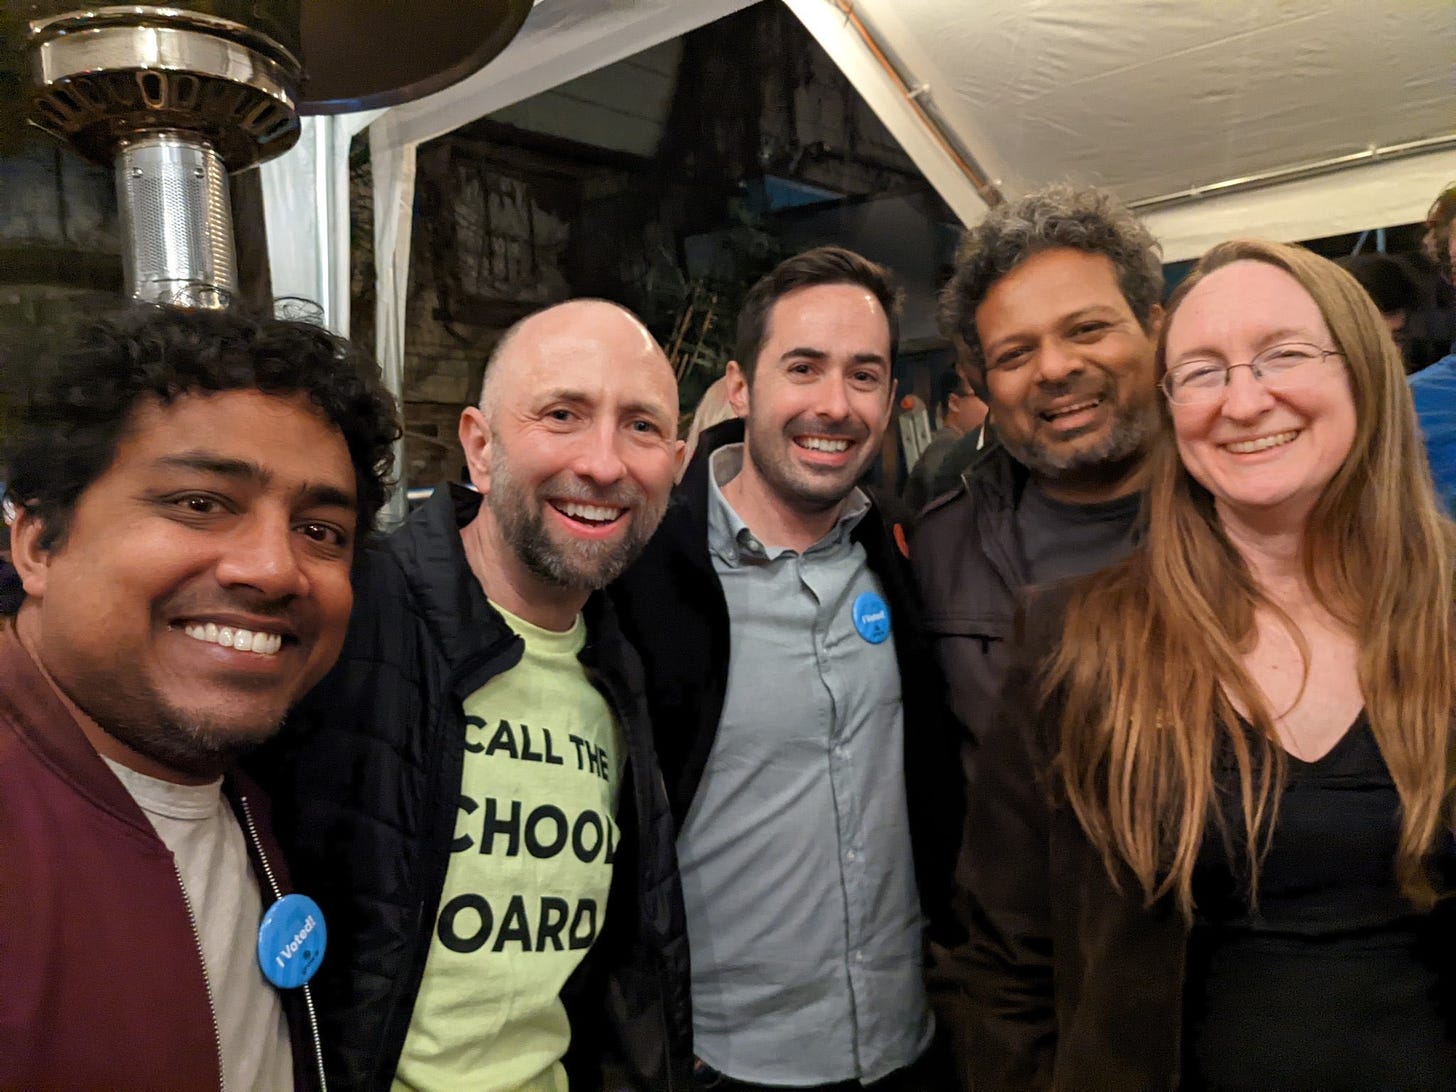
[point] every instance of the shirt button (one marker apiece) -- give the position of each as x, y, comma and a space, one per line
858, 956
849, 856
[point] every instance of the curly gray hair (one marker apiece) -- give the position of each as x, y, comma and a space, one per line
1088, 219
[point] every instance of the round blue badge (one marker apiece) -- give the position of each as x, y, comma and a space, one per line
291, 941
871, 617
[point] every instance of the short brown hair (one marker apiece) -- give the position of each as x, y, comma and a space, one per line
822, 265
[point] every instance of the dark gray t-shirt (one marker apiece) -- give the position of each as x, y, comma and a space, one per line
1059, 540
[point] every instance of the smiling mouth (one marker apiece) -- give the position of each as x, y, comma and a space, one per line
1053, 415
234, 637
593, 515
832, 445
1262, 443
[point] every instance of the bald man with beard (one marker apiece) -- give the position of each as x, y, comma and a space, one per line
473, 790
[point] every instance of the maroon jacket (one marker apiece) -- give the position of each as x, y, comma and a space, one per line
101, 977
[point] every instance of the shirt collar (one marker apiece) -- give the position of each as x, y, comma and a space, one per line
730, 539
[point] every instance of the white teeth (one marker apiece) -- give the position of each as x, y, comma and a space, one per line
1263, 443
244, 640
595, 512
819, 443
1078, 408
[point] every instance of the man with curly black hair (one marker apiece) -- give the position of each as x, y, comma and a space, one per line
187, 495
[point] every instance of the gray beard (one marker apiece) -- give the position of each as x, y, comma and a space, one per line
589, 566
1127, 437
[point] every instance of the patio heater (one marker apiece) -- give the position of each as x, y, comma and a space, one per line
174, 99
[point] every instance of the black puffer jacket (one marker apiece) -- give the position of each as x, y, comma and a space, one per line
365, 781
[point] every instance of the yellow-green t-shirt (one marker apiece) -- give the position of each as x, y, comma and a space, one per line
526, 891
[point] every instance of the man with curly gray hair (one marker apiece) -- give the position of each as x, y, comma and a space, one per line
1054, 308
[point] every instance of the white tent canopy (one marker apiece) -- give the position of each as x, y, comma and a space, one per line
1156, 99
1194, 109
1288, 119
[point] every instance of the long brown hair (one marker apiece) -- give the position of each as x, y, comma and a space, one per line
1151, 670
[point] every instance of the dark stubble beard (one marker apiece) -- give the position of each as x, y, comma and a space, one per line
801, 489
579, 566
189, 743
1125, 441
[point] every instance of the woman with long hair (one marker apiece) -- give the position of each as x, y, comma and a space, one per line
1210, 836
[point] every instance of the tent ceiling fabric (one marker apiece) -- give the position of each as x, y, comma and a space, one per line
1151, 97
560, 41
1158, 97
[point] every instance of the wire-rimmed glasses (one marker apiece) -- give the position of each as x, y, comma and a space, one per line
1205, 380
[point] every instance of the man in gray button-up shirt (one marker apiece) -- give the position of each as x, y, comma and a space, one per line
798, 844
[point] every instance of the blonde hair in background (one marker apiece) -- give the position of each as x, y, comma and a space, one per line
1151, 669
713, 408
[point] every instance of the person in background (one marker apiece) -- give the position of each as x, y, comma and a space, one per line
1431, 327
1209, 842
713, 408
1434, 388
961, 415
798, 713
473, 792
188, 495
1392, 289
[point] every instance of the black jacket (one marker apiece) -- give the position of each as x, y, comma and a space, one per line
673, 609
366, 777
969, 565
967, 559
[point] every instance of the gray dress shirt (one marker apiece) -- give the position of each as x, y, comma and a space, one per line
802, 910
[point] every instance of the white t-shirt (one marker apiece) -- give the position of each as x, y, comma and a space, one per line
197, 824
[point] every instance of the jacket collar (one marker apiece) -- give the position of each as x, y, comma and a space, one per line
445, 592
47, 728
430, 551
995, 477
691, 495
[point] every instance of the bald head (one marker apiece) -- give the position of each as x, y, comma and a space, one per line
574, 447
574, 329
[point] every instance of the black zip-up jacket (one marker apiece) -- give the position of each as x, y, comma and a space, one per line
968, 561
673, 610
366, 778
966, 555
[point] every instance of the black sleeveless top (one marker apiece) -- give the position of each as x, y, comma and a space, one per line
1335, 981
